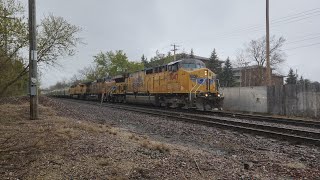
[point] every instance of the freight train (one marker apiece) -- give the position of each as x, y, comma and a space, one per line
185, 83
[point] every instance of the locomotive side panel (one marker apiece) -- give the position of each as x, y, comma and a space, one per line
136, 83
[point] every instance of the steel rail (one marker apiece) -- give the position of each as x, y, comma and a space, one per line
270, 119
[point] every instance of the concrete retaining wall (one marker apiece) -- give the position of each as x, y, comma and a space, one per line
289, 100
249, 99
294, 100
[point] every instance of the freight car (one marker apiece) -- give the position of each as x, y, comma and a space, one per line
59, 92
186, 83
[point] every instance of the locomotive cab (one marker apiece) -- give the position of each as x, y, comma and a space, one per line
197, 82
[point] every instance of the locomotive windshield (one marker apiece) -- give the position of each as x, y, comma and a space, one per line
191, 64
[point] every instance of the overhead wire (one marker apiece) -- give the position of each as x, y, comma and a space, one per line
301, 40
299, 47
307, 12
297, 15
277, 22
307, 35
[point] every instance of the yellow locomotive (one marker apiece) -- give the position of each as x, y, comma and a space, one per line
185, 83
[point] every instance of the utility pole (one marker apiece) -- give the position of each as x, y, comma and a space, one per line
268, 45
245, 73
174, 51
33, 79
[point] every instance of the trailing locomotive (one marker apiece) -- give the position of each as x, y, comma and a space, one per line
186, 83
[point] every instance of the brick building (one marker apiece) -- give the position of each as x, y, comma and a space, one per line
250, 76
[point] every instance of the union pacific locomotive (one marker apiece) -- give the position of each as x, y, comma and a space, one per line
185, 83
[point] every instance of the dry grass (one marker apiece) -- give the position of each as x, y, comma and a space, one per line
295, 165
22, 141
67, 132
89, 127
134, 137
112, 131
104, 162
54, 146
144, 142
155, 146
117, 178
12, 113
28, 140
74, 128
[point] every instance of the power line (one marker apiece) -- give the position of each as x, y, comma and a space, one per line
278, 19
309, 45
277, 22
300, 37
301, 40
300, 19
302, 12
298, 15
174, 50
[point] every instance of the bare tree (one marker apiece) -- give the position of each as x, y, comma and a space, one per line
89, 73
60, 84
256, 51
56, 39
241, 59
75, 79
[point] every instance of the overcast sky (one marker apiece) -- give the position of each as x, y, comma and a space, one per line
144, 26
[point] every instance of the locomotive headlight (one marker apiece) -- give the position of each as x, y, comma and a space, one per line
219, 95
206, 95
206, 72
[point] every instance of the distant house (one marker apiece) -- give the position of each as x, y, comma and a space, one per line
250, 76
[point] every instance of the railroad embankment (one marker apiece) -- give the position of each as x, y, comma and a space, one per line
72, 140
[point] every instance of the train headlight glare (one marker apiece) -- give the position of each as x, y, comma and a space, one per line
205, 72
206, 95
219, 95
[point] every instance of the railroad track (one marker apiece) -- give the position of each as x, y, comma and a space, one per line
270, 119
284, 133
